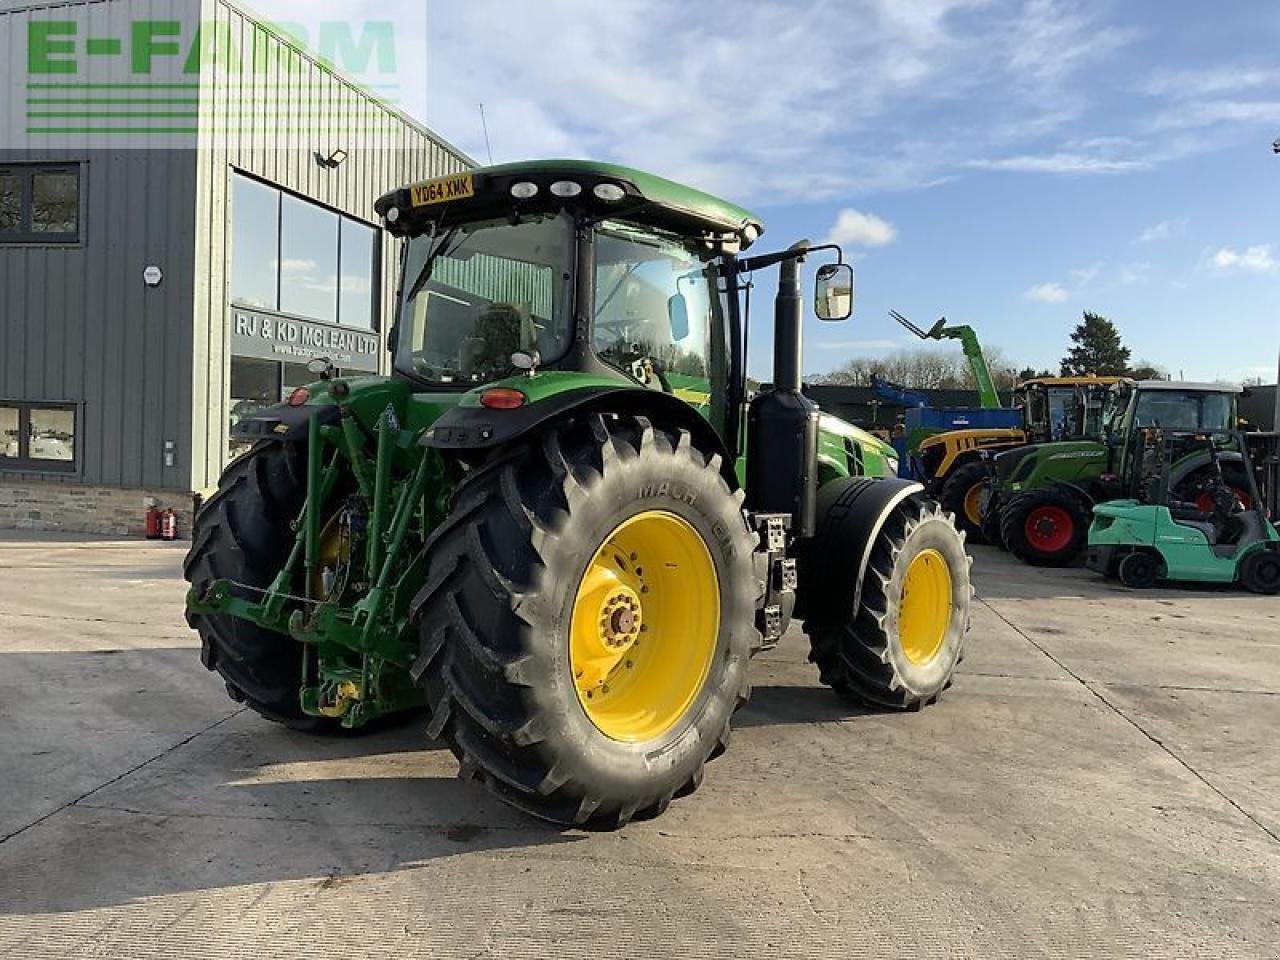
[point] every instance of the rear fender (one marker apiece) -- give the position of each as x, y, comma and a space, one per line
1085, 496
480, 429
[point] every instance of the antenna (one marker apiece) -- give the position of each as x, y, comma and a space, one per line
485, 126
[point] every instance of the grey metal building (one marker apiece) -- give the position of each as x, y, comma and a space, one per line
161, 274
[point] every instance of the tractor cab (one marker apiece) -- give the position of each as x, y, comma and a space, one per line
1063, 408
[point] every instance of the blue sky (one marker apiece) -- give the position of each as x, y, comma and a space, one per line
1009, 163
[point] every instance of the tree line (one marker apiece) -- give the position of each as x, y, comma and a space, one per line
1096, 347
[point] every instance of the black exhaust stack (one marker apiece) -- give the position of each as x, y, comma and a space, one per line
782, 424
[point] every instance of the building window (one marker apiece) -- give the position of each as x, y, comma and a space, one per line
37, 436
39, 203
296, 257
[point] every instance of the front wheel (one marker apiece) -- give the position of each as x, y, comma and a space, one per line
962, 494
1260, 572
587, 618
900, 646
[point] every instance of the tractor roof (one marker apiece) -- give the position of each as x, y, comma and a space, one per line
1087, 381
645, 198
1190, 385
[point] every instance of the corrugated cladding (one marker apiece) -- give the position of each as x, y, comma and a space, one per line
262, 141
147, 365
77, 323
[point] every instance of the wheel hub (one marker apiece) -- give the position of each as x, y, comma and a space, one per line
620, 619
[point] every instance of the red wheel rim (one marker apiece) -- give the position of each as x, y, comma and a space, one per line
1049, 529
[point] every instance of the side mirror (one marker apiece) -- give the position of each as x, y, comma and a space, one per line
678, 314
321, 367
833, 292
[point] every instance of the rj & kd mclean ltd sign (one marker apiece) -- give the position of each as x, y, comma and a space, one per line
270, 336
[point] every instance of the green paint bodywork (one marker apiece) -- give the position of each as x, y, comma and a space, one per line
1078, 462
1185, 550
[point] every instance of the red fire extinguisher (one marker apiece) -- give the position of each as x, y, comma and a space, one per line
168, 525
152, 521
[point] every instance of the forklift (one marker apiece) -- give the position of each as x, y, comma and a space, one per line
1223, 535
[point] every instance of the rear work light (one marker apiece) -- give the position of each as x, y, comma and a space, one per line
502, 398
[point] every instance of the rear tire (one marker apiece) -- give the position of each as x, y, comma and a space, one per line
1260, 572
498, 620
1046, 528
875, 655
242, 533
961, 496
1139, 570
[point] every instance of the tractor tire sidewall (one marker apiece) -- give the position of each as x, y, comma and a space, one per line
1260, 572
1013, 518
510, 559
954, 493
929, 679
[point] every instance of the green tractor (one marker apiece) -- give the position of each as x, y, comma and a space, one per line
954, 463
1040, 497
1154, 535
562, 527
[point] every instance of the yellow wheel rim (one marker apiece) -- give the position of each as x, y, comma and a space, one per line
924, 612
646, 618
973, 503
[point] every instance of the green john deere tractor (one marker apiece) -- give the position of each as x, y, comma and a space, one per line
1223, 535
562, 526
1040, 496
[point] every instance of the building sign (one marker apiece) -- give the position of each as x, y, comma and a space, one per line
271, 336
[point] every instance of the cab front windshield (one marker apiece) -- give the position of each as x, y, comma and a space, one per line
1185, 410
477, 293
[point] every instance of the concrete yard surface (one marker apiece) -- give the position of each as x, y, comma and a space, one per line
1103, 779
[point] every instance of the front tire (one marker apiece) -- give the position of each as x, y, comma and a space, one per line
587, 618
900, 647
1260, 572
1046, 528
961, 495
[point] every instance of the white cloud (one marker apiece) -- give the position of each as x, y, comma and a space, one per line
1164, 230
1208, 81
1077, 163
1208, 113
856, 229
1083, 276
1047, 293
1255, 259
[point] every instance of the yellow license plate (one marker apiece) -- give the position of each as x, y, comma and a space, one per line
459, 186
